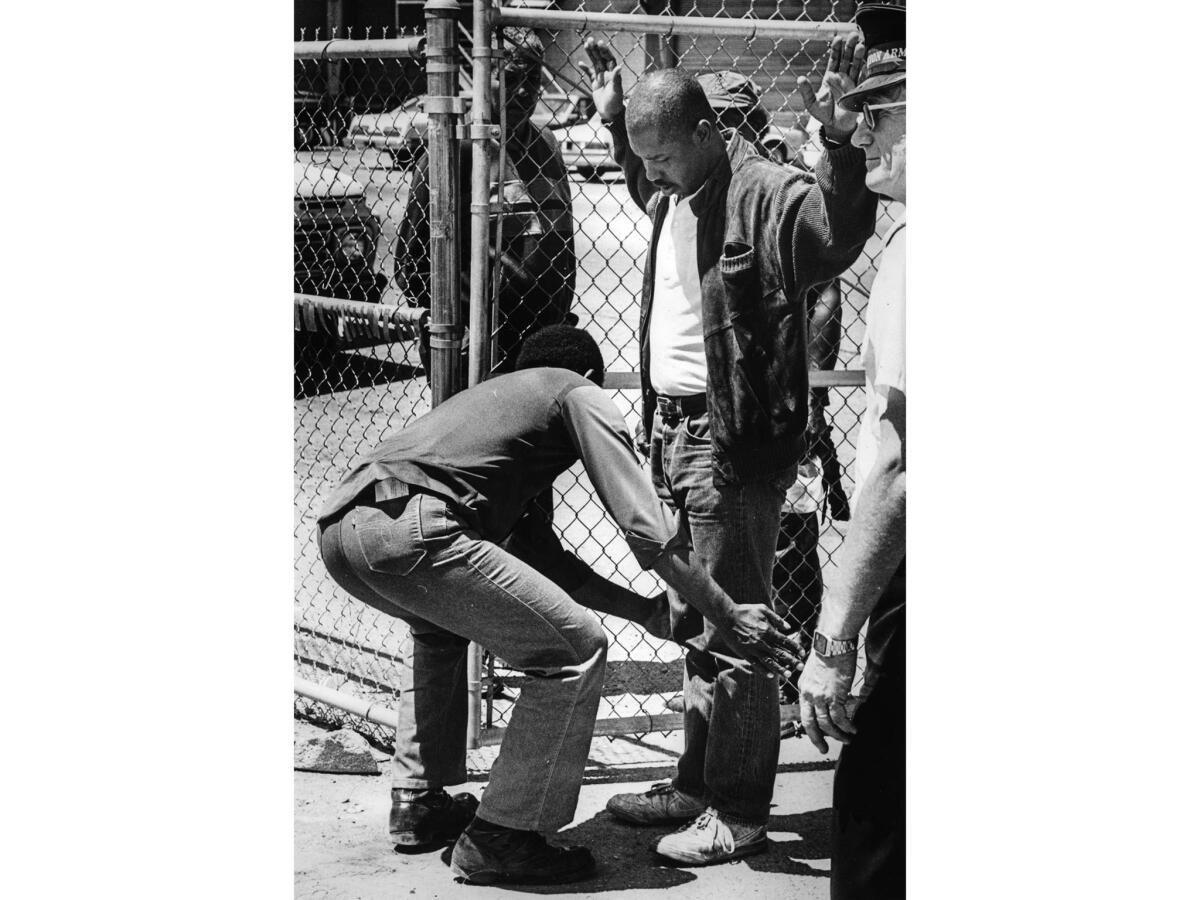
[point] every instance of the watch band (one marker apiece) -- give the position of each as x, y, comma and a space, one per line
823, 645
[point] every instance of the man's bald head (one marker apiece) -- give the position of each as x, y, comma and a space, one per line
670, 100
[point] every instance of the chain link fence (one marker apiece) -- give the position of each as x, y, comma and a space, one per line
564, 240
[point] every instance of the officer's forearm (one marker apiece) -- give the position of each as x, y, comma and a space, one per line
601, 595
680, 569
871, 554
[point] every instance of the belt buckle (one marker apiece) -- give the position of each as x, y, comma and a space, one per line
670, 409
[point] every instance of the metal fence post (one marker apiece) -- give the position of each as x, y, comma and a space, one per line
445, 108
478, 319
482, 134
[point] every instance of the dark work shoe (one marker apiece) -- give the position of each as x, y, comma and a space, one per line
423, 819
517, 857
663, 803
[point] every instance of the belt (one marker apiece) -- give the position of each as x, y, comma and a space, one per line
672, 409
389, 496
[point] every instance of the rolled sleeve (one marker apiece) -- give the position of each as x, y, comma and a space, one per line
606, 449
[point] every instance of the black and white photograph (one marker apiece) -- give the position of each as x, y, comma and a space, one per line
600, 448
555, 540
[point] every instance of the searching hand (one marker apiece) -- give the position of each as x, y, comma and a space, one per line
846, 56
605, 79
757, 633
824, 694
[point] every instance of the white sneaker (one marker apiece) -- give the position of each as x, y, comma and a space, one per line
711, 839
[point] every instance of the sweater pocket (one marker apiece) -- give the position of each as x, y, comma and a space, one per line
736, 352
740, 277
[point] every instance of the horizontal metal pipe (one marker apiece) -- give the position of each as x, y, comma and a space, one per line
631, 381
386, 716
322, 665
362, 308
489, 737
639, 725
340, 48
685, 26
372, 712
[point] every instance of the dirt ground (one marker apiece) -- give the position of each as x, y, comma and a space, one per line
342, 851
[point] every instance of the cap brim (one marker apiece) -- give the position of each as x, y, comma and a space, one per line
853, 100
720, 103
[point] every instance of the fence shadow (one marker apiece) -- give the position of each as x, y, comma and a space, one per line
621, 676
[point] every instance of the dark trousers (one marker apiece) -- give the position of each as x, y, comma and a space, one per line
868, 791
731, 711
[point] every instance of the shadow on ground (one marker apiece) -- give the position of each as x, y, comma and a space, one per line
811, 830
324, 371
625, 860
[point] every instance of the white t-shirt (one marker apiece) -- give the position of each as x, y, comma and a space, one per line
677, 364
882, 349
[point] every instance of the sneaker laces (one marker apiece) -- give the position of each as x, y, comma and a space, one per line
709, 827
663, 787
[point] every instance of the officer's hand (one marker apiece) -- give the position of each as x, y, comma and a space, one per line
846, 57
824, 694
758, 634
658, 619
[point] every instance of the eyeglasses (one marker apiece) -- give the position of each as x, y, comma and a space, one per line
868, 110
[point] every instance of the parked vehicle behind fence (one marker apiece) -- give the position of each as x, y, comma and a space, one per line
404, 130
330, 212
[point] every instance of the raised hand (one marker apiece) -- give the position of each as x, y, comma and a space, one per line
845, 63
604, 78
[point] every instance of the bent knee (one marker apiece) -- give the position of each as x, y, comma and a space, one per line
593, 643
582, 648
437, 638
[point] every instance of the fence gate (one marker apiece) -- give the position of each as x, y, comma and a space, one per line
380, 125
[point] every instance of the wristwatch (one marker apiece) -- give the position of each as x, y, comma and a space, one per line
827, 646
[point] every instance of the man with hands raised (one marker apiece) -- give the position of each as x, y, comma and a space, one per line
868, 789
736, 243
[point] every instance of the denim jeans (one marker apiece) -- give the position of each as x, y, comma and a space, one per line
731, 713
427, 567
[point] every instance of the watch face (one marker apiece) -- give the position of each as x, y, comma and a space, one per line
819, 644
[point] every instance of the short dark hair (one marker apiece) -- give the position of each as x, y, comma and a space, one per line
562, 347
670, 100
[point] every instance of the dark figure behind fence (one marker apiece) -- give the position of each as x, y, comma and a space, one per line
736, 242
537, 261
